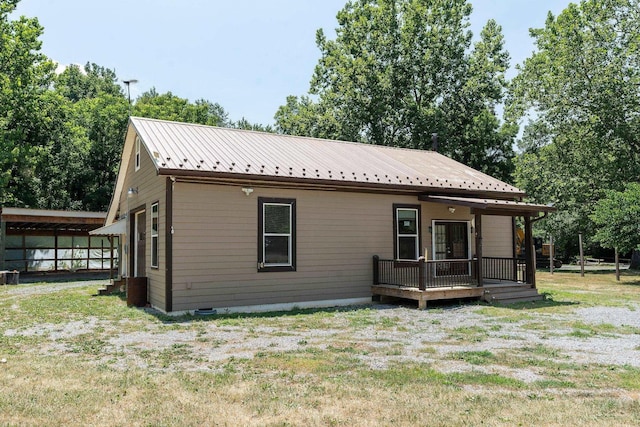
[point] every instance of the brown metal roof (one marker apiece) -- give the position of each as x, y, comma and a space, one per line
198, 150
501, 207
42, 219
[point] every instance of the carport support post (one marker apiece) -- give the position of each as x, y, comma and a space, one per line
478, 224
529, 252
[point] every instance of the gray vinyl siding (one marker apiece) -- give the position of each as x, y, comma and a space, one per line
216, 243
151, 188
497, 233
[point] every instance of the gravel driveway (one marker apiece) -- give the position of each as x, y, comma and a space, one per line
391, 334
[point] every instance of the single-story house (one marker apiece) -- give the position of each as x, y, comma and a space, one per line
42, 240
237, 220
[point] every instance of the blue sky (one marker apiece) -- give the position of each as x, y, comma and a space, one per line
247, 55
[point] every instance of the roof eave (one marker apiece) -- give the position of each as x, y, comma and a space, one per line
125, 158
225, 177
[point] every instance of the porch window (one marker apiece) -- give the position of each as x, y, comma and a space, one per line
137, 153
154, 235
277, 234
407, 232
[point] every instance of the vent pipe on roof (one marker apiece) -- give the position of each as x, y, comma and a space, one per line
434, 142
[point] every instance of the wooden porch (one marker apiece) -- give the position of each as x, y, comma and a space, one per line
495, 280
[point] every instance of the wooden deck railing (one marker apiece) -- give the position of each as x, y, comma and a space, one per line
511, 269
423, 274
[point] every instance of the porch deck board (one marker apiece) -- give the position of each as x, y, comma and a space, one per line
490, 288
429, 294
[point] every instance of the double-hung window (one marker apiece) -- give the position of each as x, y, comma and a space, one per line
277, 234
154, 235
406, 231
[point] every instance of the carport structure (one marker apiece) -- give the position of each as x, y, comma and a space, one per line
38, 240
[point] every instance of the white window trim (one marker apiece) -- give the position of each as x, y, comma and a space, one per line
289, 235
433, 238
155, 249
137, 154
416, 235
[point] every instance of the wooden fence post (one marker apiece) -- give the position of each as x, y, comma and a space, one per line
581, 255
551, 254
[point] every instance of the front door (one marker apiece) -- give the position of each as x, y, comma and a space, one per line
140, 244
451, 242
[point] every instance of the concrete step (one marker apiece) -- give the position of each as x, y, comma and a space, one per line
112, 287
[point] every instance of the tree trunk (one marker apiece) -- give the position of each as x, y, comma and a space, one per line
635, 260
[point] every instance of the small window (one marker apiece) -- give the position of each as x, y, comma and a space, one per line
154, 235
277, 238
407, 232
137, 153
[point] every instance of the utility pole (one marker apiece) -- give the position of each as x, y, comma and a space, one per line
128, 83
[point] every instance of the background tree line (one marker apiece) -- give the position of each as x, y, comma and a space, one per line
61, 135
396, 72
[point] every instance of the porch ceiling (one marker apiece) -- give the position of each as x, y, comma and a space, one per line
490, 206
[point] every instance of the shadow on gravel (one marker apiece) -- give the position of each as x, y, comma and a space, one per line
213, 315
532, 305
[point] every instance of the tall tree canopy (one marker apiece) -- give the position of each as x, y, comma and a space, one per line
168, 106
25, 74
615, 218
400, 70
61, 135
581, 90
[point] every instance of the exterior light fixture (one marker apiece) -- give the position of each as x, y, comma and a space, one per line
132, 191
452, 209
247, 191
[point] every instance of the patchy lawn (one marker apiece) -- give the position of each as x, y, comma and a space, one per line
69, 358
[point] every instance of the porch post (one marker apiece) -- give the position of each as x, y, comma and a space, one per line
110, 257
422, 274
478, 223
529, 252
376, 271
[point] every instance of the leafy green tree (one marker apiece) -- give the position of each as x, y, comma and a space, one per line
103, 119
76, 84
95, 112
247, 125
25, 75
400, 70
581, 92
302, 116
616, 218
171, 107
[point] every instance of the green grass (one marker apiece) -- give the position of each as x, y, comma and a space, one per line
474, 357
469, 333
76, 359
